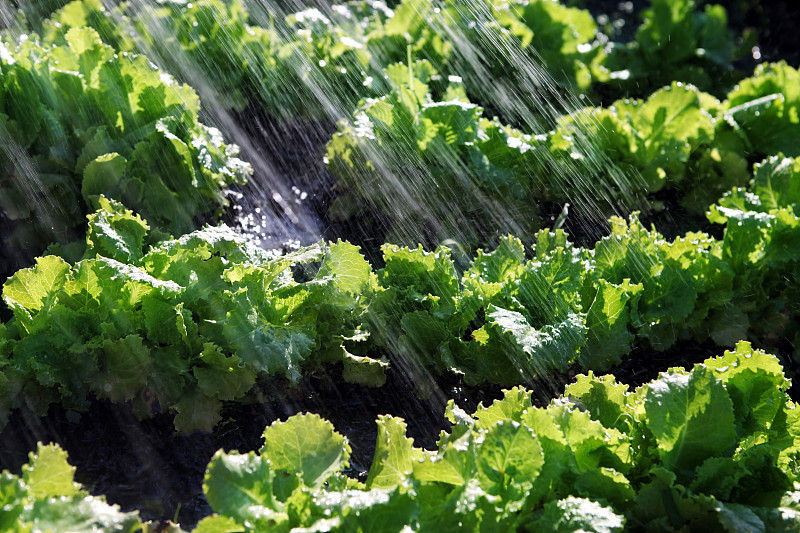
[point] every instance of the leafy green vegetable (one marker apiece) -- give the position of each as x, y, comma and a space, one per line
79, 121
601, 458
579, 514
189, 323
680, 407
761, 227
328, 61
763, 111
185, 325
635, 148
427, 167
677, 41
414, 170
521, 53
305, 446
679, 279
331, 58
45, 498
419, 168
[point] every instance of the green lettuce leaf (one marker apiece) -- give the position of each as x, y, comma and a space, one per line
578, 514
394, 454
305, 446
692, 419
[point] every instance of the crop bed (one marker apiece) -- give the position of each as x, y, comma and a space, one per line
147, 467
629, 211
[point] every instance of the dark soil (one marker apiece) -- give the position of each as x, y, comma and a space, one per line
774, 24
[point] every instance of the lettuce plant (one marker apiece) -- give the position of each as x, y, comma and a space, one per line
79, 120
677, 41
183, 326
509, 318
187, 324
764, 111
676, 140
425, 167
713, 447
46, 498
762, 228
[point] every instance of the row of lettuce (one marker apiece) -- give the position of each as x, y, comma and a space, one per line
424, 168
712, 448
332, 57
416, 157
185, 324
197, 320
78, 120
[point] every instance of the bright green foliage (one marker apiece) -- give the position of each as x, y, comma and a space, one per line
211, 40
115, 232
425, 163
33, 12
760, 244
329, 60
299, 456
395, 454
677, 280
607, 320
677, 42
522, 52
185, 325
240, 486
578, 514
79, 120
107, 21
45, 498
309, 63
565, 40
422, 168
680, 408
422, 314
534, 325
320, 63
636, 148
206, 38
763, 111
305, 446
411, 317
335, 59
190, 323
509, 319
429, 167
705, 448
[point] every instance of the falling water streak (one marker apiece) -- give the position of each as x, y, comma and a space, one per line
532, 99
529, 97
268, 185
8, 15
535, 100
26, 179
